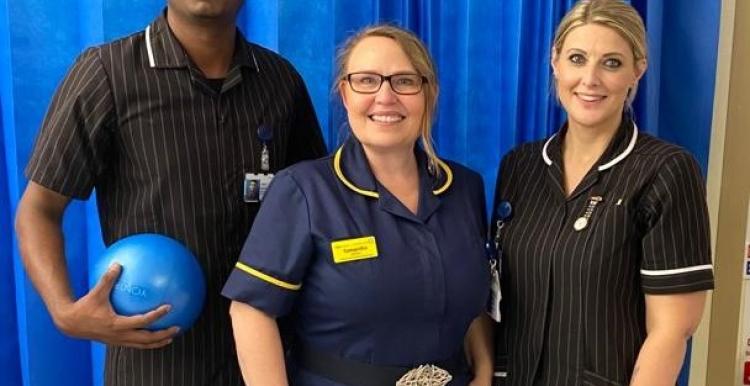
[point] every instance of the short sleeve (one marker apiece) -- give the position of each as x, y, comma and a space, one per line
277, 251
676, 244
305, 140
71, 148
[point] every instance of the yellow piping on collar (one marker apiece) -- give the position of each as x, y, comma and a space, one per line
373, 194
269, 279
340, 175
448, 178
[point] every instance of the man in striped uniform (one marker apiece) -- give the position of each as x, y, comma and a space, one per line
165, 124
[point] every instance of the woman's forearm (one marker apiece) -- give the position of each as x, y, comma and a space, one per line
480, 349
660, 359
259, 348
670, 321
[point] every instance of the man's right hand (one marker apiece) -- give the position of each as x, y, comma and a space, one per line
93, 317
40, 240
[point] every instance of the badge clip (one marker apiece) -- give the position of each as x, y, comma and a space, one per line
265, 135
582, 222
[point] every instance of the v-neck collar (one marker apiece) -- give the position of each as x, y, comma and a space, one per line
165, 51
620, 146
353, 170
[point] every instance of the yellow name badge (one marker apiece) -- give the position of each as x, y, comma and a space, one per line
354, 249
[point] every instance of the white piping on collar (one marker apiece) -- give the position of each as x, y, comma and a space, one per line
547, 160
625, 153
257, 67
149, 50
613, 162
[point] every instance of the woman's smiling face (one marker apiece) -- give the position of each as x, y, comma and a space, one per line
383, 120
594, 70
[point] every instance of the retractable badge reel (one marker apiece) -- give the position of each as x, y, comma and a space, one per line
503, 213
256, 184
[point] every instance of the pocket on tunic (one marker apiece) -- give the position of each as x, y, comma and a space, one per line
590, 378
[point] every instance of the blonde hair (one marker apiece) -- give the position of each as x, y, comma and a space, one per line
614, 14
421, 60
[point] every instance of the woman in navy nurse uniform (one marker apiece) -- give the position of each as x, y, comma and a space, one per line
378, 249
604, 229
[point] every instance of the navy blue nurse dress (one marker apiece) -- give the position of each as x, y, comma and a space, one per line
409, 304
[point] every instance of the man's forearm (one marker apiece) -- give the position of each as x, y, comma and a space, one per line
41, 245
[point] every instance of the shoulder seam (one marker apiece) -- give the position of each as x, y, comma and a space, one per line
304, 196
106, 72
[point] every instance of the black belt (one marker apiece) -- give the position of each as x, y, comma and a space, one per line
356, 373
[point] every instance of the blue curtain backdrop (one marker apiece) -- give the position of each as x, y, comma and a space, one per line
493, 62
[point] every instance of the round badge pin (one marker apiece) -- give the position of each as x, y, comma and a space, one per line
580, 223
265, 133
504, 210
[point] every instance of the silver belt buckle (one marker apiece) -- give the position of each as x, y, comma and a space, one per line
425, 375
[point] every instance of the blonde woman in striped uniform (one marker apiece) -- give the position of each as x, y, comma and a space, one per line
603, 229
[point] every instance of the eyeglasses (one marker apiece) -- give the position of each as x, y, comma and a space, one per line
369, 83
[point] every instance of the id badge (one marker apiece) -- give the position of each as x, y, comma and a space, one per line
495, 293
255, 186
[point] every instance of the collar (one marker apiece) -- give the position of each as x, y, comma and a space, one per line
618, 149
165, 51
353, 170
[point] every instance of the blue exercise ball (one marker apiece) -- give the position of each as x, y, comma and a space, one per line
156, 270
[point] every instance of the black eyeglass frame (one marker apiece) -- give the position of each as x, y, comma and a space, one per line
383, 79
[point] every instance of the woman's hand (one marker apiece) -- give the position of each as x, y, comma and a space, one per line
483, 381
479, 348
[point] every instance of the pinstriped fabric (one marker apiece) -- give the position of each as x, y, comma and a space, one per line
573, 301
167, 153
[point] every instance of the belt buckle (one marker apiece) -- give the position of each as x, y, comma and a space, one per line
425, 375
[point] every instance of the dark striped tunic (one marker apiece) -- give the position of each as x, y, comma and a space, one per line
573, 300
167, 153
